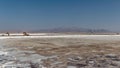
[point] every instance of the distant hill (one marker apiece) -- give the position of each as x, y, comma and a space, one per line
57, 30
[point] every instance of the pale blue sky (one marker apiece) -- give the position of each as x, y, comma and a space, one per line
40, 14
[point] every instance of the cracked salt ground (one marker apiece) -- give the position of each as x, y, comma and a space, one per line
13, 58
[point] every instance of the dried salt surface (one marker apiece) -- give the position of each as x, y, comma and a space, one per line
11, 55
71, 67
13, 58
8, 60
94, 37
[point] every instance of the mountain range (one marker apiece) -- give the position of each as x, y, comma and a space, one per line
87, 30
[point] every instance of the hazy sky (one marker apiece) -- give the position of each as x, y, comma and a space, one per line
40, 14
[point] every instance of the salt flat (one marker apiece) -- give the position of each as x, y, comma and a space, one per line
59, 51
95, 37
